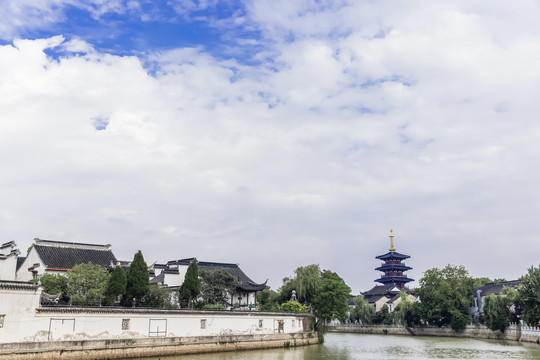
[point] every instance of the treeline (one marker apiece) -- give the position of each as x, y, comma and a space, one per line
446, 296
92, 285
321, 292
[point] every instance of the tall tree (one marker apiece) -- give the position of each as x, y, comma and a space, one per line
445, 296
217, 286
86, 284
267, 299
496, 312
137, 279
529, 296
362, 312
191, 287
402, 309
305, 283
116, 285
331, 300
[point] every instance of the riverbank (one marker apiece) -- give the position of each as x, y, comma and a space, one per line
515, 332
148, 347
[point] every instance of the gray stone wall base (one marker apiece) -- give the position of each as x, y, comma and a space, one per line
147, 347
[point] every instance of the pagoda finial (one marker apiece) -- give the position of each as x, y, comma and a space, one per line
392, 248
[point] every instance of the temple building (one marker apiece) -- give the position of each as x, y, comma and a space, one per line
393, 280
393, 267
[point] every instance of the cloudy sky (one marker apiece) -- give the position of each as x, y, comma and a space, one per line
275, 133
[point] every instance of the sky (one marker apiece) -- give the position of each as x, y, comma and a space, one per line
275, 134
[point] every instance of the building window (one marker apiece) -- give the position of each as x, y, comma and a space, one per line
260, 323
203, 323
125, 324
293, 323
2, 317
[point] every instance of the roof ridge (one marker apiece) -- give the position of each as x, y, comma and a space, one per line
44, 242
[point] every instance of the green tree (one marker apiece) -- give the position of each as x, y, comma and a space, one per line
156, 297
293, 306
305, 282
384, 316
496, 312
54, 285
362, 312
267, 299
116, 285
217, 286
137, 280
331, 299
445, 297
401, 310
191, 287
86, 284
529, 296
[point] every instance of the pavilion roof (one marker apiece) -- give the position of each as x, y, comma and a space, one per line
392, 255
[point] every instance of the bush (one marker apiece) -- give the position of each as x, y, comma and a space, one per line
213, 307
293, 306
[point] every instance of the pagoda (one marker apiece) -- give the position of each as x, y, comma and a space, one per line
393, 267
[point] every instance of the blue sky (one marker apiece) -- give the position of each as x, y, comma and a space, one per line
275, 134
147, 27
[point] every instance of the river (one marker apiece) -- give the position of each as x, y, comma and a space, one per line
385, 347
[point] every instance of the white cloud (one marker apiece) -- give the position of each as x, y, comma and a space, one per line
368, 117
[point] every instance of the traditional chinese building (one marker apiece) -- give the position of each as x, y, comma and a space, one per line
393, 280
393, 267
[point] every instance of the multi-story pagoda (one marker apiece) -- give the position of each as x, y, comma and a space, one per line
393, 267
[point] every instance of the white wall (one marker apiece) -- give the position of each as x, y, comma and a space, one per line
33, 257
23, 322
8, 267
17, 310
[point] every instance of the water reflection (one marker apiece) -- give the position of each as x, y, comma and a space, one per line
377, 347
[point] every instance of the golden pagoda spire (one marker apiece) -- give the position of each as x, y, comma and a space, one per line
392, 248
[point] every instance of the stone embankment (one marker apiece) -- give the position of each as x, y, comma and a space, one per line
514, 332
149, 347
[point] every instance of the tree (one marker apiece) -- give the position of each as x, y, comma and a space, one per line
362, 312
293, 306
529, 296
116, 285
384, 316
305, 283
496, 312
86, 284
191, 287
445, 296
217, 285
402, 309
137, 279
331, 299
156, 297
267, 299
54, 285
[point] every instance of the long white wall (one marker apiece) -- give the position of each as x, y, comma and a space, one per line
24, 321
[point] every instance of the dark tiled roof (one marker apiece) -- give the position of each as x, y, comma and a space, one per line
496, 288
160, 279
7, 244
394, 298
393, 279
244, 282
20, 261
63, 256
19, 285
393, 267
380, 290
392, 255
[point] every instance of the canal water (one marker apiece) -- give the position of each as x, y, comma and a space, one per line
385, 347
